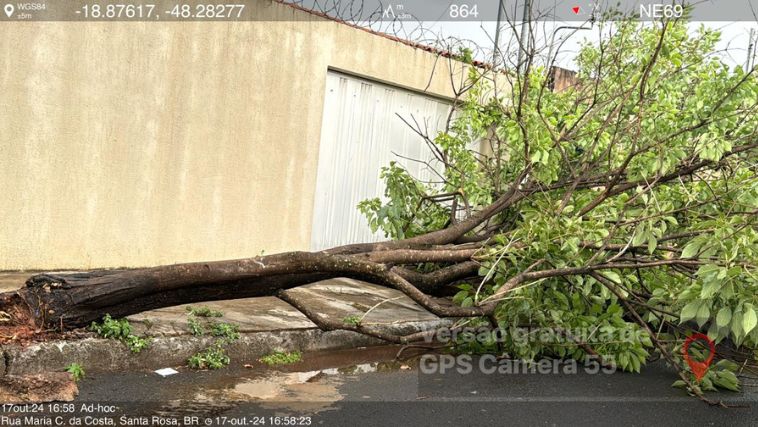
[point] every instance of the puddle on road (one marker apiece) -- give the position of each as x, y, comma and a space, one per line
311, 391
312, 385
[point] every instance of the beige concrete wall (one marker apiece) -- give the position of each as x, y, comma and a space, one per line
137, 144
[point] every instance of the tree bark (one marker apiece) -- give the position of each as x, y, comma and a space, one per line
69, 300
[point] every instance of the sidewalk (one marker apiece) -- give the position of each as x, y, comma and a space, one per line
266, 325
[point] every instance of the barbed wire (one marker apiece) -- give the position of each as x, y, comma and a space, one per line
371, 15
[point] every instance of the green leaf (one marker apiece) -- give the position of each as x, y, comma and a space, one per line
703, 314
612, 275
749, 319
639, 237
646, 341
535, 156
723, 317
679, 384
737, 326
689, 311
691, 249
727, 380
710, 288
714, 332
651, 244
460, 296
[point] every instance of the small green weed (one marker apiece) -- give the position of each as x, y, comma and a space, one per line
195, 327
136, 344
203, 312
76, 370
352, 320
211, 358
112, 328
281, 358
229, 331
121, 330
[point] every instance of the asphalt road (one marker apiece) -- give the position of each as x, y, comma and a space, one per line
354, 391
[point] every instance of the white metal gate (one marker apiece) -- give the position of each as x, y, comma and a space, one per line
360, 133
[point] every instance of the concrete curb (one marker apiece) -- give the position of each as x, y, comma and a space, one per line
102, 355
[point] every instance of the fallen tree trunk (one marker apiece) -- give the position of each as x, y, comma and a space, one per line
69, 300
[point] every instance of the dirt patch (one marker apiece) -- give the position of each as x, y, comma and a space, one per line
24, 335
18, 334
17, 326
47, 387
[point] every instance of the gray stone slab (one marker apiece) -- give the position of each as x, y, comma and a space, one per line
341, 297
250, 314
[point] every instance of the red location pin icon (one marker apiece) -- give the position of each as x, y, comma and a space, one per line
698, 368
